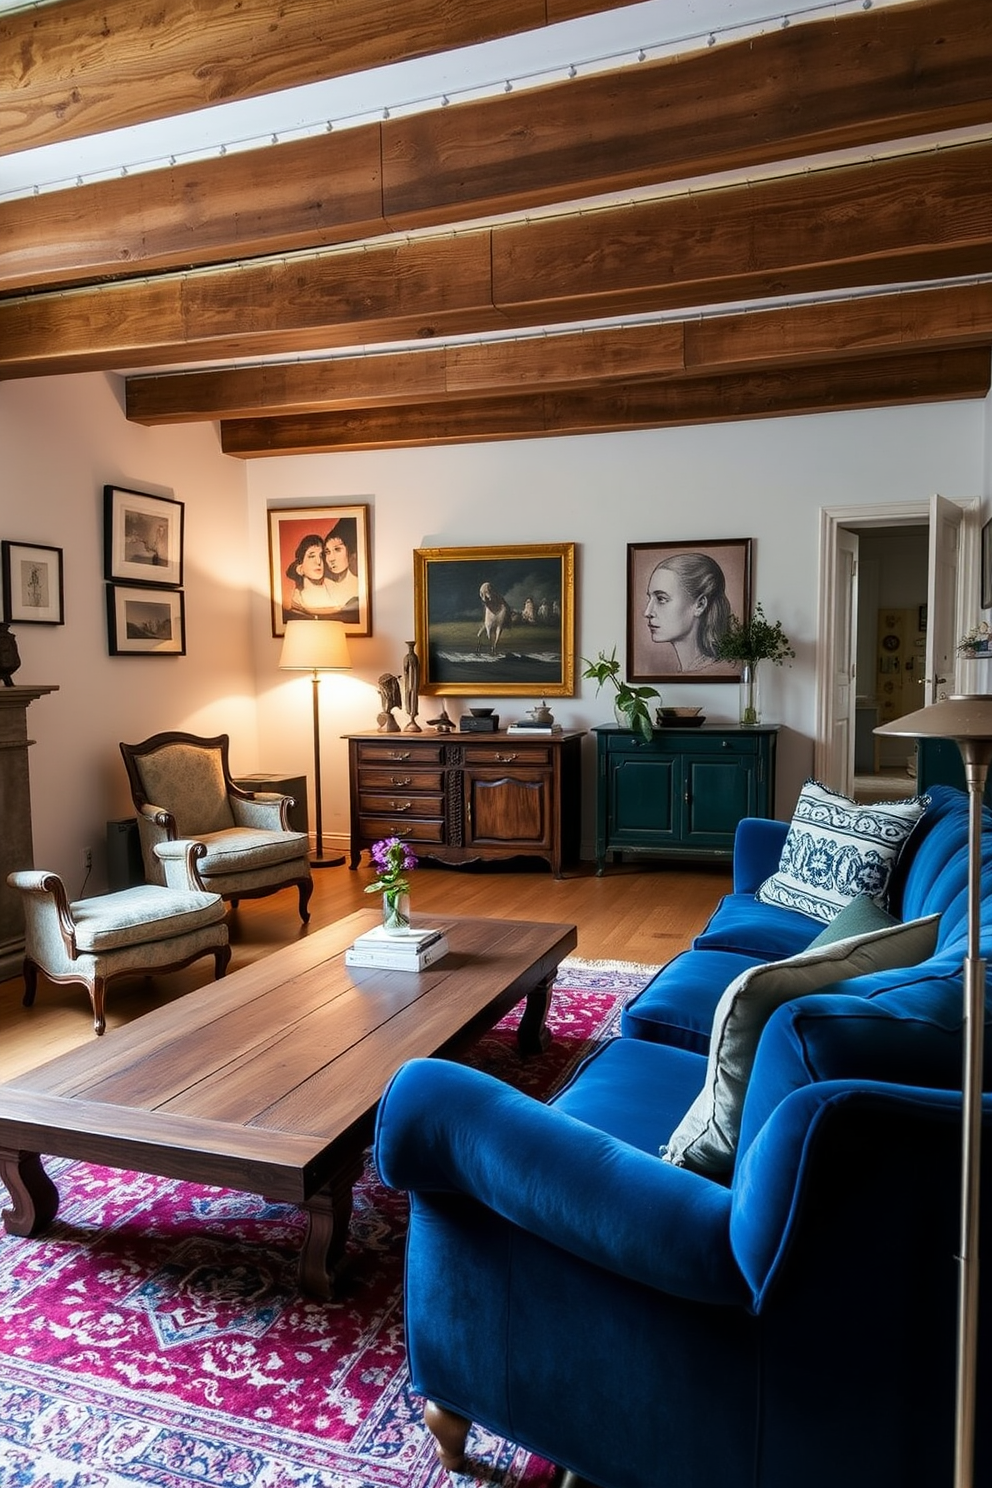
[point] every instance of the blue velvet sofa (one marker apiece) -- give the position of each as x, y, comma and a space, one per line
646, 1326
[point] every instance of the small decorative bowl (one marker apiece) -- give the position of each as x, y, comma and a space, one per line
678, 712
482, 712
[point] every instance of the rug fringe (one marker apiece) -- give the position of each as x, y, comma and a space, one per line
579, 963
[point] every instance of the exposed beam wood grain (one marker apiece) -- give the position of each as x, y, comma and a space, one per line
918, 217
835, 330
82, 66
863, 78
871, 383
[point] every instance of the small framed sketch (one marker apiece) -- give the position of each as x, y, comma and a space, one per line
32, 584
143, 537
319, 566
145, 622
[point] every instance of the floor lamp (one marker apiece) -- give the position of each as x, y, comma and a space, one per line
316, 646
967, 719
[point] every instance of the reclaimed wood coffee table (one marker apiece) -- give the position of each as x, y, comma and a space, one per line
268, 1080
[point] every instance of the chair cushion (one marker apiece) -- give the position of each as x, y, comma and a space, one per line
706, 1137
140, 915
836, 850
239, 849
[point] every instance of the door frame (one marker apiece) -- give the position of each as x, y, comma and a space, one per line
864, 518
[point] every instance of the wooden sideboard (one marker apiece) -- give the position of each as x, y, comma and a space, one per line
463, 798
681, 793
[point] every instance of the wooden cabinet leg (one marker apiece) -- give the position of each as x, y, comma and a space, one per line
533, 1036
450, 1432
34, 1197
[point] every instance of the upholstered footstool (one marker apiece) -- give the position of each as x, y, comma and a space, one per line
135, 932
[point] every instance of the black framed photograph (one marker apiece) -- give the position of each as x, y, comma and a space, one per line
496, 621
319, 566
987, 565
143, 537
32, 584
680, 597
145, 622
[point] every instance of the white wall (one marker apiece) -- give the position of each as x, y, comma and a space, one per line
62, 439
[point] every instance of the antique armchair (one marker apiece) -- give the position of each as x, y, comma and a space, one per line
182, 789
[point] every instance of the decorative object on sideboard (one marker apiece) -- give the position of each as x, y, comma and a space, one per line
748, 642
495, 621
10, 658
680, 717
975, 648
631, 703
389, 698
32, 584
411, 688
680, 597
316, 647
443, 723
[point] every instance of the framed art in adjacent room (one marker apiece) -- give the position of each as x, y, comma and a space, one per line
680, 596
32, 584
143, 537
987, 565
319, 566
145, 622
496, 621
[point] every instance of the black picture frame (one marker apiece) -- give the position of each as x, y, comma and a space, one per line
33, 590
464, 651
143, 538
717, 570
986, 596
142, 621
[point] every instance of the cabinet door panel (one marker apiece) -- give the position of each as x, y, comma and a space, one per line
718, 794
645, 799
505, 809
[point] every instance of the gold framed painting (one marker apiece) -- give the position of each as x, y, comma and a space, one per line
496, 621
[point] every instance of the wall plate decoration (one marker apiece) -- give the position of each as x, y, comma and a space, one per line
32, 584
496, 621
145, 622
680, 596
143, 537
319, 566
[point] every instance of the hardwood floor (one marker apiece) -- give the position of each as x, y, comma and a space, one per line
646, 914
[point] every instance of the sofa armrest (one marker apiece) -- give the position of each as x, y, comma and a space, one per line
758, 844
444, 1128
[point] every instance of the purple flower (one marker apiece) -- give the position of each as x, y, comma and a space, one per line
391, 858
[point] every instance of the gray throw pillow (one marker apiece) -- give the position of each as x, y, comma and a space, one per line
836, 850
706, 1137
860, 917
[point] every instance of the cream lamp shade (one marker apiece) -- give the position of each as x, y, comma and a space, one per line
315, 646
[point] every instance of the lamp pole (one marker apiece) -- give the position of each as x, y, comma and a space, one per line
316, 646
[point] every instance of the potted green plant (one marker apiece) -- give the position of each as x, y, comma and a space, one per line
631, 703
749, 641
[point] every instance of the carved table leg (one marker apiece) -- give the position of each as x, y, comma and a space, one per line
532, 1035
35, 1199
328, 1216
450, 1432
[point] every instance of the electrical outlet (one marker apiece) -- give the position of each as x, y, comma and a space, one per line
87, 858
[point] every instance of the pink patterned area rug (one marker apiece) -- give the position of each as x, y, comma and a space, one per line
155, 1335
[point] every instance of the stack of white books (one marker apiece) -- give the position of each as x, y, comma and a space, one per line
413, 951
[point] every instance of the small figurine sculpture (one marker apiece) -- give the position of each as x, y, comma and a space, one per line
389, 697
443, 722
9, 656
411, 687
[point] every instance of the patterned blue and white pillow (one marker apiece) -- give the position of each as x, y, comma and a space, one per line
836, 850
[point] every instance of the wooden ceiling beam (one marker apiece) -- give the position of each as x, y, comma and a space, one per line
83, 66
948, 318
883, 74
920, 217
868, 383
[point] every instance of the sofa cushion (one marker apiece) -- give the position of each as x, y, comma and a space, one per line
676, 1007
861, 916
706, 1137
836, 850
760, 930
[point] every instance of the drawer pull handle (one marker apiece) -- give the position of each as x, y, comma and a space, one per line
400, 780
400, 756
505, 759
401, 806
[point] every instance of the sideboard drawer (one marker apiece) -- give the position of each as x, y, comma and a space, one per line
507, 753
397, 803
395, 750
415, 829
399, 778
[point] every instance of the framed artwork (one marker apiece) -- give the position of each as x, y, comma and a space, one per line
319, 567
143, 537
32, 584
680, 596
145, 622
496, 621
987, 565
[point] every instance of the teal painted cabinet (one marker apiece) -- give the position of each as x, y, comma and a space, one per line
681, 794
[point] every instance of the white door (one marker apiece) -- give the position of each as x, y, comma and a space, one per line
944, 621
844, 659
